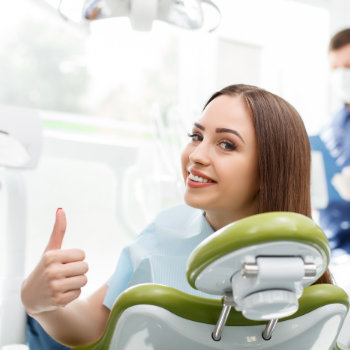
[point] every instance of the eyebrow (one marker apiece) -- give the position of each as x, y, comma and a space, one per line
221, 130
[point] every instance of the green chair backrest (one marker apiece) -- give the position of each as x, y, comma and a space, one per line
206, 311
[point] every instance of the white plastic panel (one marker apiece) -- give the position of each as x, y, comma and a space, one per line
22, 125
148, 327
216, 277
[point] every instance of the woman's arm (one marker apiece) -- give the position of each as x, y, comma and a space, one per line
80, 322
50, 293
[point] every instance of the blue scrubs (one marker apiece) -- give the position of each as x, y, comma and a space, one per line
38, 339
335, 219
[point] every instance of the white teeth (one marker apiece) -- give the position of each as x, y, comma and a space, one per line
198, 178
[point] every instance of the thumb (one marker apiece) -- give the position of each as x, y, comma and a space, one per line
58, 231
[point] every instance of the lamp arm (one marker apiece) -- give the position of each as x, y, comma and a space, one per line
216, 7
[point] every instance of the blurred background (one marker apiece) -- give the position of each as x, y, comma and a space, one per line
115, 105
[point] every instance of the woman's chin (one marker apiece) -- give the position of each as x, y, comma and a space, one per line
195, 203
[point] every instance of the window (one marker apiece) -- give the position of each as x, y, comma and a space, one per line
107, 71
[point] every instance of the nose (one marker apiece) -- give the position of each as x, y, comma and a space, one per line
200, 154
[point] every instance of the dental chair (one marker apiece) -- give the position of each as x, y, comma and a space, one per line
263, 267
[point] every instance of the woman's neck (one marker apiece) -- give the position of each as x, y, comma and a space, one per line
218, 220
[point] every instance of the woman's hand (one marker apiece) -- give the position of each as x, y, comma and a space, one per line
59, 276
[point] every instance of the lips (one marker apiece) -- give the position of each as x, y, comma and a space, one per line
197, 173
197, 179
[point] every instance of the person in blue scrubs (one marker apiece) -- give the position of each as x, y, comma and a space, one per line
335, 218
248, 153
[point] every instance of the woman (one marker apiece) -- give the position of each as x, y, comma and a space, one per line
249, 153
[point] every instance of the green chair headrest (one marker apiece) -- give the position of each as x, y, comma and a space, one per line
256, 229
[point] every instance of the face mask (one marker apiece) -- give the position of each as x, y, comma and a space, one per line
340, 80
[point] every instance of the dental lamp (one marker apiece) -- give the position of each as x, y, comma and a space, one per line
187, 14
20, 148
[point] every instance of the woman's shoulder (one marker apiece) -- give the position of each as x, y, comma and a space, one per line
181, 221
177, 222
176, 215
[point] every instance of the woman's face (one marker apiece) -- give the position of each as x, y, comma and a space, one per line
219, 164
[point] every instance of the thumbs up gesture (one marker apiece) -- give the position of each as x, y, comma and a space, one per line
59, 276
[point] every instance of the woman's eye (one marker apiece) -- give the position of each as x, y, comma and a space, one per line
227, 146
195, 137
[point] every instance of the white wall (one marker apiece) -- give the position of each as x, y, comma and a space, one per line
110, 188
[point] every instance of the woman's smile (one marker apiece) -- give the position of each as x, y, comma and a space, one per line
196, 179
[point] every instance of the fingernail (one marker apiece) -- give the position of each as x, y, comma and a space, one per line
58, 210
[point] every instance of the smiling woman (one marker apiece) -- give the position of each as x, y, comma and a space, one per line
248, 154
223, 150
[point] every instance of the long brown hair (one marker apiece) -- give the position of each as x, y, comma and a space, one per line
284, 155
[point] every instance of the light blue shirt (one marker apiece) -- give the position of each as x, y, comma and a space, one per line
159, 254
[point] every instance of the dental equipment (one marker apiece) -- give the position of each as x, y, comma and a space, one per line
263, 266
20, 148
184, 14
